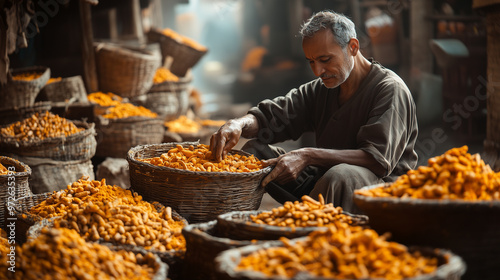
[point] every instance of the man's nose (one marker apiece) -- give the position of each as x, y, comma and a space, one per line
318, 69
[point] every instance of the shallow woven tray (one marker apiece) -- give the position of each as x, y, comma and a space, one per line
78, 146
21, 94
197, 196
11, 189
469, 229
228, 260
238, 225
116, 136
204, 243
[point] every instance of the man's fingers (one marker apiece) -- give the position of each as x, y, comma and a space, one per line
269, 162
270, 177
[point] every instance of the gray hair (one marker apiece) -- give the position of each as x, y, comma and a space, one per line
343, 28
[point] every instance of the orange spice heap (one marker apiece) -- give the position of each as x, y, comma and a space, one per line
163, 75
53, 80
41, 126
28, 76
308, 213
125, 110
183, 39
4, 244
105, 99
4, 170
454, 175
183, 124
96, 210
63, 254
214, 123
199, 159
343, 252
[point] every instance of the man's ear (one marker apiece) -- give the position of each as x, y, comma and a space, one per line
353, 46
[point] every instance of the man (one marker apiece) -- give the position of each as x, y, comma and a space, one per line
363, 117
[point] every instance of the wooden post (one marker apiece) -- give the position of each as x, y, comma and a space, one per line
421, 33
88, 54
135, 8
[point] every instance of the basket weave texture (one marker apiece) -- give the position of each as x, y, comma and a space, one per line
238, 225
78, 146
117, 136
20, 94
469, 229
8, 116
184, 56
197, 196
24, 219
183, 84
226, 262
168, 105
70, 88
125, 71
12, 188
204, 242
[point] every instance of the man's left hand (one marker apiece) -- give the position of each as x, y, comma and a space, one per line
287, 167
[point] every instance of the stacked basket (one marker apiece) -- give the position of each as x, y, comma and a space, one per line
19, 93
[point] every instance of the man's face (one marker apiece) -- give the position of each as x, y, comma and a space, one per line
327, 59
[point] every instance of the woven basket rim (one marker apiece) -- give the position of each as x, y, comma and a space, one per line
162, 36
419, 202
131, 158
37, 69
455, 263
193, 229
89, 130
126, 50
129, 119
16, 163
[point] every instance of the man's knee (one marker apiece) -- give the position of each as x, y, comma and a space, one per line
347, 173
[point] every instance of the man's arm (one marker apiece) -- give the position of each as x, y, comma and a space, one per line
288, 166
229, 134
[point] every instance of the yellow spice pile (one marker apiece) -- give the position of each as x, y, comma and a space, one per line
41, 126
183, 124
63, 254
163, 75
343, 252
308, 213
53, 80
105, 99
199, 159
454, 175
99, 211
3, 170
125, 110
28, 76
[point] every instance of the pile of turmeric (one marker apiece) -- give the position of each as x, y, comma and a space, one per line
183, 124
63, 254
53, 80
99, 211
163, 75
456, 174
126, 110
308, 213
4, 170
4, 243
199, 159
183, 39
105, 99
341, 252
40, 126
28, 76
214, 123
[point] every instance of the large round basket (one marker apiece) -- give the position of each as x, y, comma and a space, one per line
450, 266
125, 71
203, 243
70, 88
20, 93
469, 229
238, 225
168, 105
198, 196
184, 56
115, 137
78, 146
12, 186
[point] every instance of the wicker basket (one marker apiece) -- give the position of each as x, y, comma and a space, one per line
125, 71
238, 225
183, 84
11, 189
203, 244
469, 229
117, 136
8, 116
21, 94
168, 105
70, 88
450, 266
197, 196
24, 220
78, 146
184, 56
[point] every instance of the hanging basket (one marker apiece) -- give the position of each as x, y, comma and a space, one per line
117, 136
12, 186
197, 196
125, 71
20, 93
78, 146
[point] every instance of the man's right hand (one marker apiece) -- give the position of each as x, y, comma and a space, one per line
229, 134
